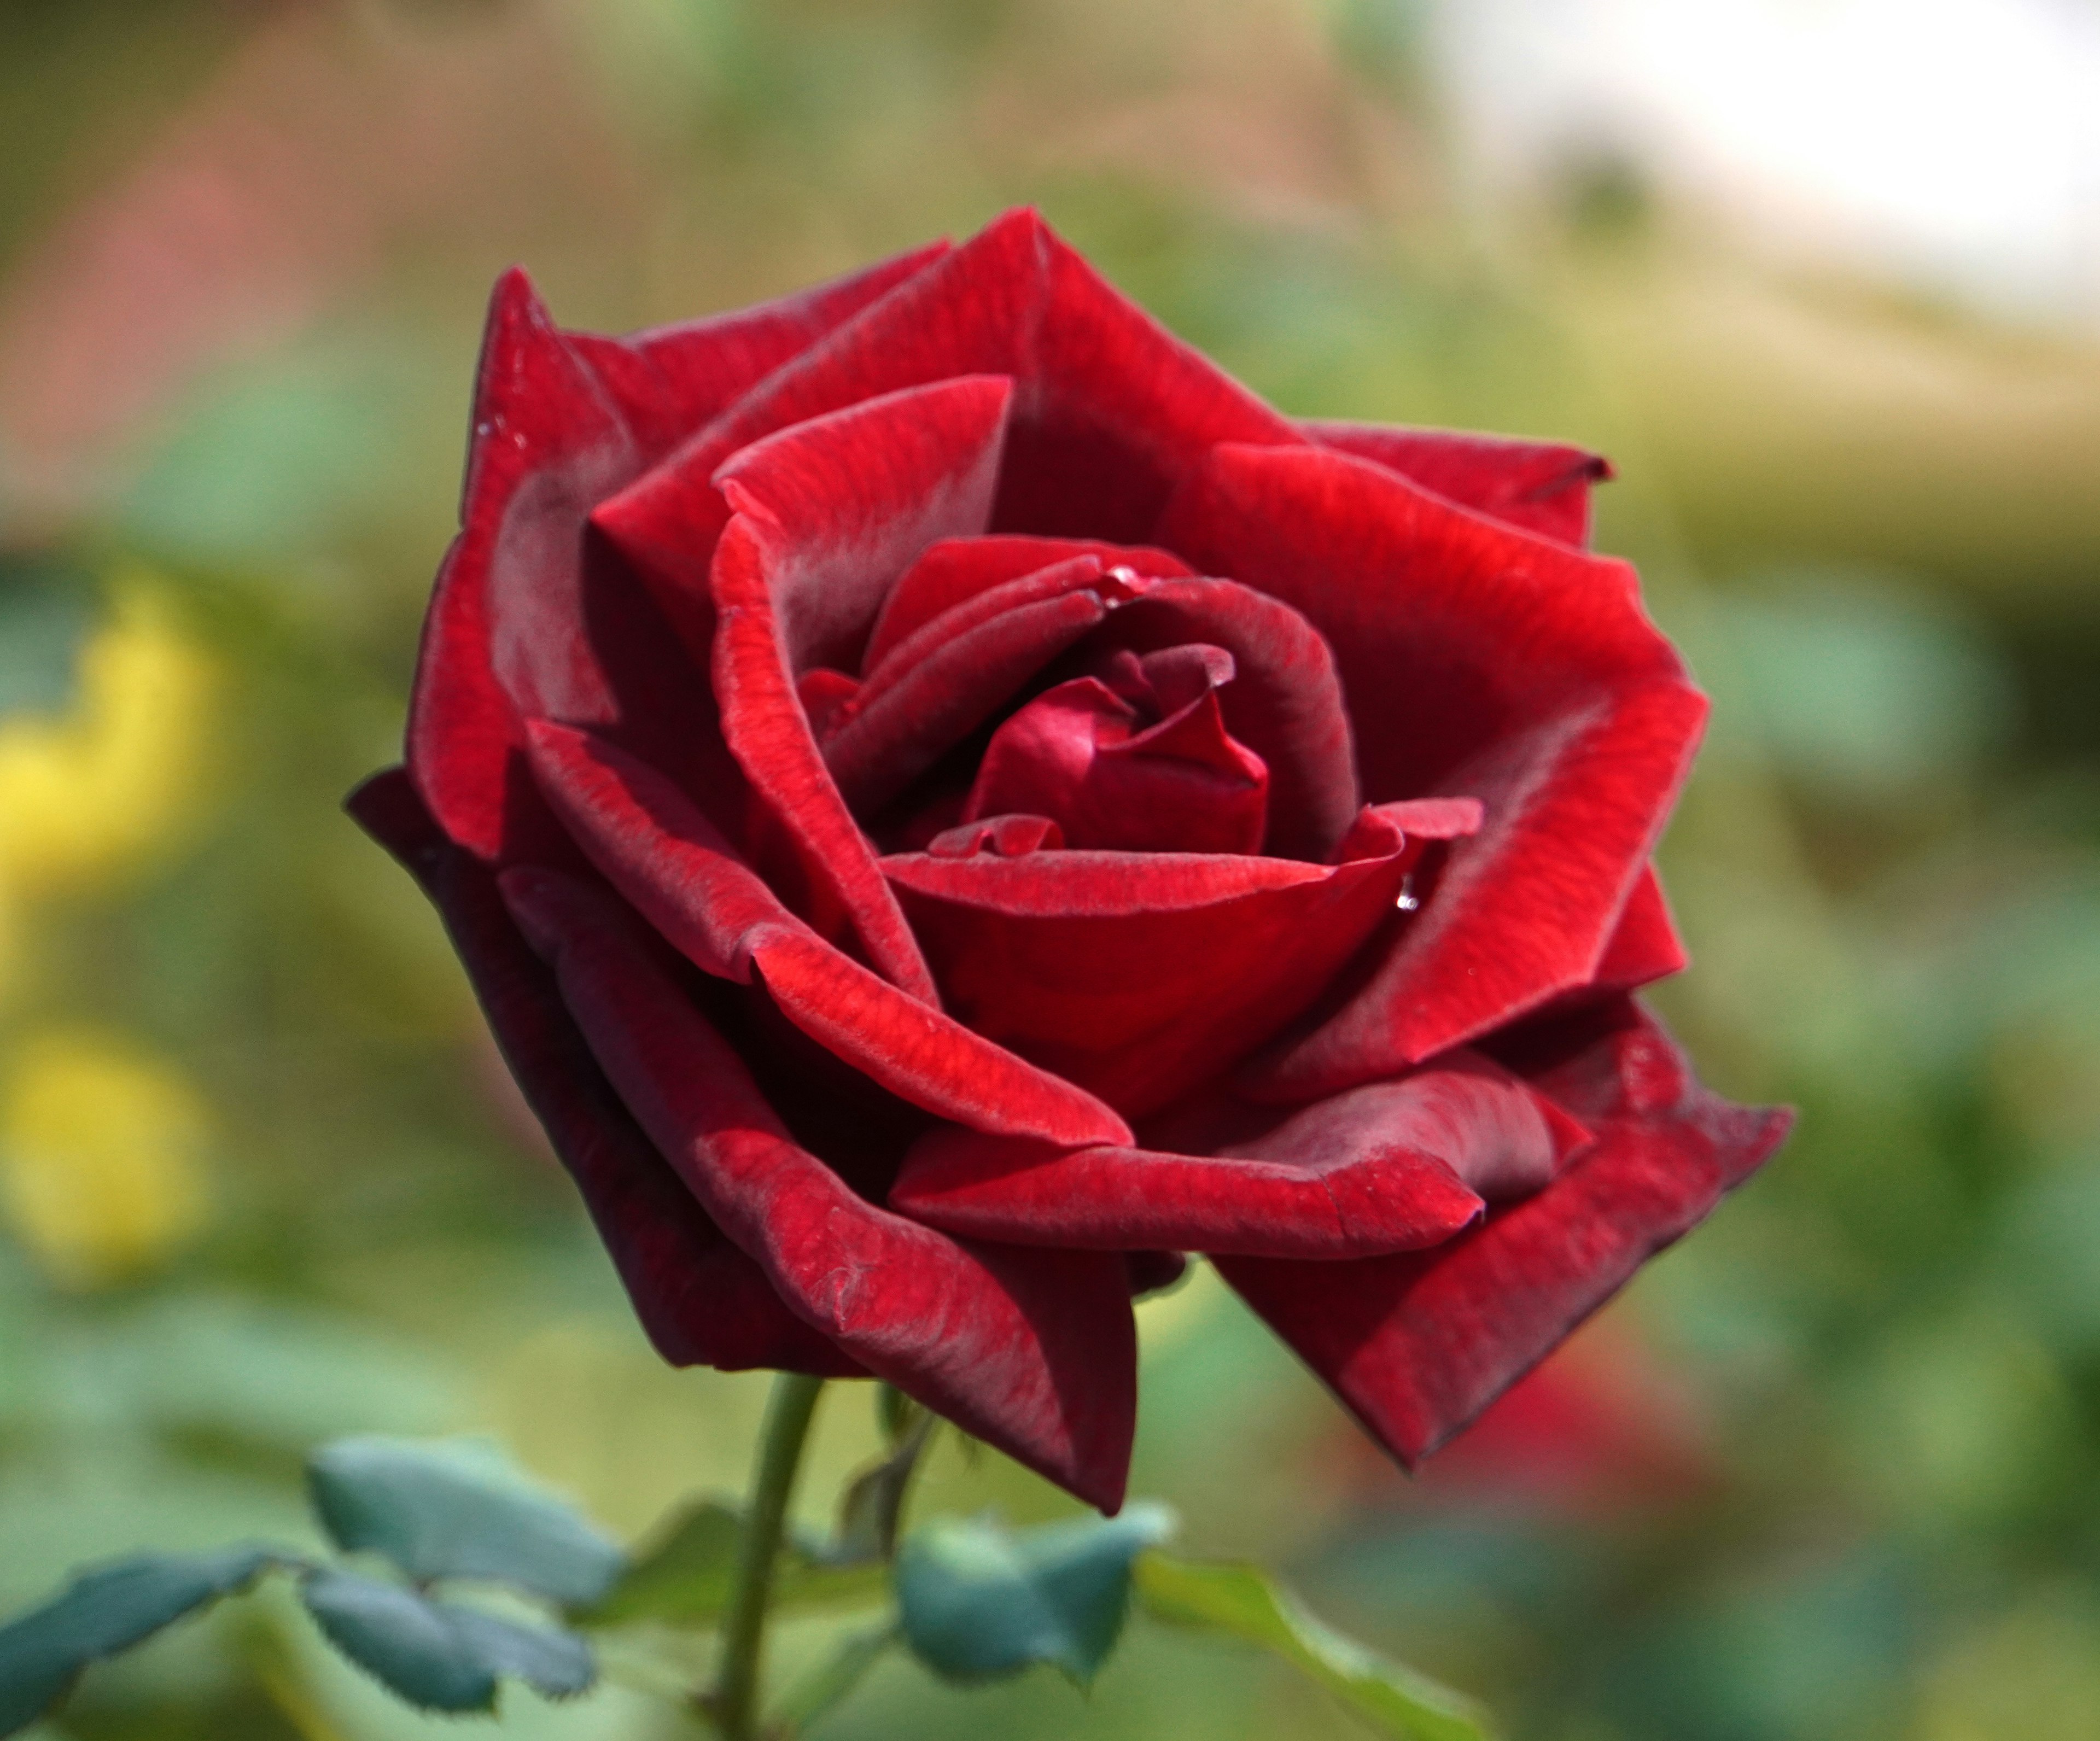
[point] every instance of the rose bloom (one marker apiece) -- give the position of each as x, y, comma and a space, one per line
949, 802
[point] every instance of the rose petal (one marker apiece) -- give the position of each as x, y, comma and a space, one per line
1373, 1171
1035, 1352
528, 616
1645, 946
1285, 703
955, 571
669, 381
1479, 660
950, 678
657, 849
1542, 487
1082, 756
1135, 975
1111, 410
701, 1300
827, 513
1417, 1344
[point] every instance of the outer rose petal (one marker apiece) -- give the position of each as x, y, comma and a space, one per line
1373, 1171
1419, 1344
1112, 409
670, 380
1542, 487
656, 848
1479, 660
701, 1300
827, 515
1035, 1352
1645, 947
561, 419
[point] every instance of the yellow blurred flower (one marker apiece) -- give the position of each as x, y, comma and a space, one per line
88, 794
101, 1155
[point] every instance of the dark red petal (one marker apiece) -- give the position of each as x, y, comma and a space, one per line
1543, 487
1476, 660
1034, 1351
1372, 1171
702, 1301
1112, 408
670, 380
1419, 1344
955, 571
1082, 754
660, 853
1645, 947
1009, 837
1284, 701
953, 675
529, 617
827, 514
1138, 974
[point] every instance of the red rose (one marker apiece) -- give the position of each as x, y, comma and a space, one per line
950, 802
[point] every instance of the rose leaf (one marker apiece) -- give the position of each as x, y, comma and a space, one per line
439, 1656
1244, 1603
978, 1600
110, 1609
447, 1511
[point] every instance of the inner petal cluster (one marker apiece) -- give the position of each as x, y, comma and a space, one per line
1137, 760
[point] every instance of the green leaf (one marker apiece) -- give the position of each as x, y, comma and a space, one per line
437, 1656
978, 1600
1242, 1602
832, 1680
449, 1512
896, 1413
874, 1501
685, 1575
108, 1610
684, 1578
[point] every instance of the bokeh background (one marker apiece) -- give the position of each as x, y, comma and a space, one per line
1823, 277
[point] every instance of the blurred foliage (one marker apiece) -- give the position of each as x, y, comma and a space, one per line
1830, 1473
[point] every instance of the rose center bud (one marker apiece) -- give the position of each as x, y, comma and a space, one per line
1135, 759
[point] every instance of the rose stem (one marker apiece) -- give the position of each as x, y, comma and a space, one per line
734, 1705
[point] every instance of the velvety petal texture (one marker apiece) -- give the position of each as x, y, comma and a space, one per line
1475, 659
1035, 1352
950, 804
1417, 1344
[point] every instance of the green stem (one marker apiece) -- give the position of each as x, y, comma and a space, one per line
734, 1705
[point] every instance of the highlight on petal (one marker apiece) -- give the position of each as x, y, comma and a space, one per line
1391, 1167
701, 1300
1542, 487
1034, 1351
1478, 661
652, 843
1417, 1344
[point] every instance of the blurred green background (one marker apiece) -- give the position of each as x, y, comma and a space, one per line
1829, 1469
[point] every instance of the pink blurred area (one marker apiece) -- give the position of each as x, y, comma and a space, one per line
328, 140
